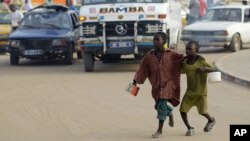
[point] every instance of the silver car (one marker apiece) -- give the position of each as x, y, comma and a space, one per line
223, 26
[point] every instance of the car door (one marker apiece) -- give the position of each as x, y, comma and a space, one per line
246, 27
76, 31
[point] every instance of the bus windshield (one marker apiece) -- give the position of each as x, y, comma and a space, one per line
88, 2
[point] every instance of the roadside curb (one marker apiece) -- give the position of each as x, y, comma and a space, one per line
229, 76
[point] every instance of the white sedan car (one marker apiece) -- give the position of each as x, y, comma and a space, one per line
223, 26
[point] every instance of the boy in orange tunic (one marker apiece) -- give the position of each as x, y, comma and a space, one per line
162, 68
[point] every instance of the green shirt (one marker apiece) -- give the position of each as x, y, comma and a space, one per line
196, 81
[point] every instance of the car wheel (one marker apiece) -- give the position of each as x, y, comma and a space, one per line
88, 61
79, 54
235, 44
69, 55
14, 59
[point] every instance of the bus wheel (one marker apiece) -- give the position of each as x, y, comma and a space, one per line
88, 61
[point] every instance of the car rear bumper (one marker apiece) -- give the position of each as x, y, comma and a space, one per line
206, 42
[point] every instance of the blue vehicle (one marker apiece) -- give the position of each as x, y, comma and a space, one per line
47, 31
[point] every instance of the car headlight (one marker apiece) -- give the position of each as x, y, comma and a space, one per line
221, 33
82, 18
58, 42
15, 43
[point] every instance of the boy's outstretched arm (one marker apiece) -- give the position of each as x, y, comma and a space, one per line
206, 69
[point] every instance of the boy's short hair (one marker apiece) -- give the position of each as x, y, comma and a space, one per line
163, 35
195, 43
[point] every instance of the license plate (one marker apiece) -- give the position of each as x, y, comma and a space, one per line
33, 52
121, 44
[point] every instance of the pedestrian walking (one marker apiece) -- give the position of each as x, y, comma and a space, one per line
193, 15
202, 8
27, 5
162, 68
69, 3
15, 17
196, 69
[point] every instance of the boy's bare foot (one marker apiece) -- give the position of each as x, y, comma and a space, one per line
171, 120
157, 135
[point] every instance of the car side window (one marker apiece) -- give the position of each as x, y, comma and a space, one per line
234, 15
247, 15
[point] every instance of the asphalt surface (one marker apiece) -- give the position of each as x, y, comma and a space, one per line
46, 100
235, 67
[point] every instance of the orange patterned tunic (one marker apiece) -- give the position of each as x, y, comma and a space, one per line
164, 75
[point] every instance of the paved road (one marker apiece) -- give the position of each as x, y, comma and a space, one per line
47, 100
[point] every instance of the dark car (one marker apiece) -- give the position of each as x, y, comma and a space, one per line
47, 31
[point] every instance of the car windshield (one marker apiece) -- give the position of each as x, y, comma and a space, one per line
85, 2
230, 14
4, 18
46, 20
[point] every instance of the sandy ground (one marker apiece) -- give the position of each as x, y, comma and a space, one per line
49, 101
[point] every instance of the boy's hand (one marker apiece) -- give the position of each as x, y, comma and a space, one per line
183, 58
134, 82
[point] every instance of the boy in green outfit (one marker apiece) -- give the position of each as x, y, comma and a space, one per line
196, 69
